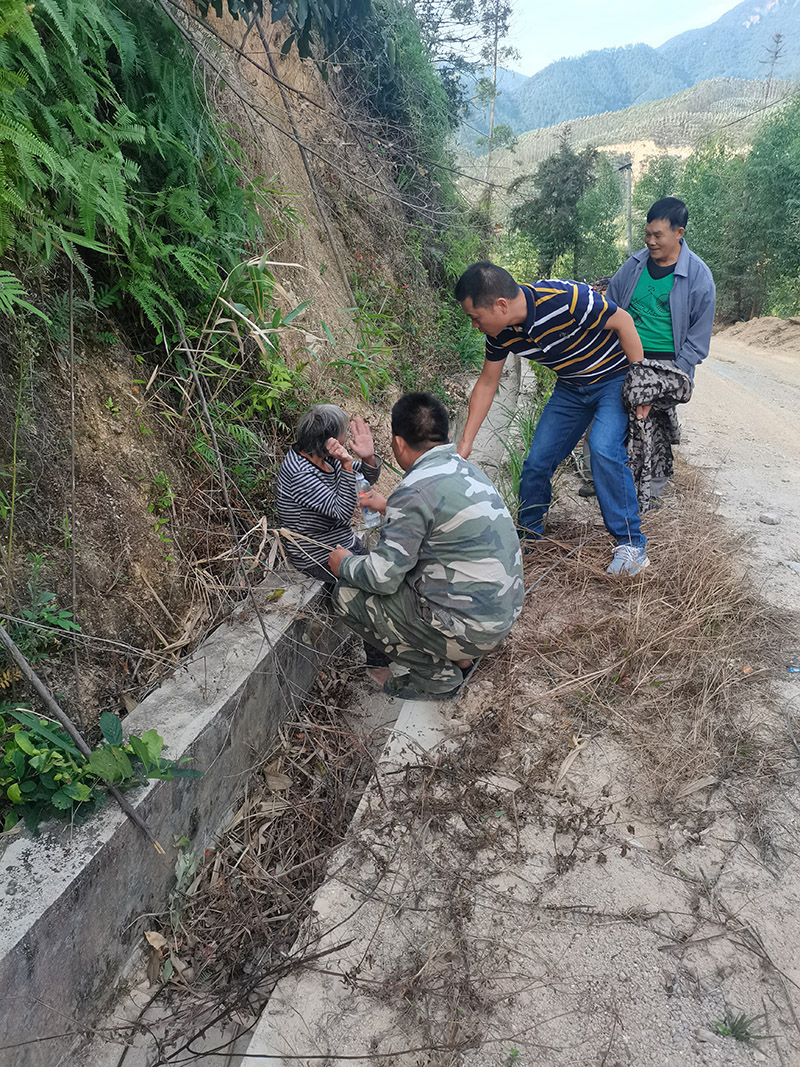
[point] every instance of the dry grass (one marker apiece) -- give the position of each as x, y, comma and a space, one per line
667, 664
667, 660
254, 890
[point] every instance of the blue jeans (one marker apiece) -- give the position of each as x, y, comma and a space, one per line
565, 418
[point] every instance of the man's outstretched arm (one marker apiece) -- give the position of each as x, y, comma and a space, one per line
623, 325
483, 393
408, 521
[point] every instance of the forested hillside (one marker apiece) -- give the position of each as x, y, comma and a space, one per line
740, 44
725, 107
606, 80
562, 196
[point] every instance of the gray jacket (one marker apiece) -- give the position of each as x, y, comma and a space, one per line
691, 302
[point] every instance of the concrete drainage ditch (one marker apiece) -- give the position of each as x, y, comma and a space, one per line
72, 900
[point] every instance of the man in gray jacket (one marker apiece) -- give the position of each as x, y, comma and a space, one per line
669, 293
668, 290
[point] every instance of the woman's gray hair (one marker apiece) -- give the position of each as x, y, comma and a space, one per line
318, 424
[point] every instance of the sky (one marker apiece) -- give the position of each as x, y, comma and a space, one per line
542, 33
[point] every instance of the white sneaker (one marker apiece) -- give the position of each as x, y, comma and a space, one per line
628, 560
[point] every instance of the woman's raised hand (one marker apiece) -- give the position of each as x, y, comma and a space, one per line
361, 441
336, 450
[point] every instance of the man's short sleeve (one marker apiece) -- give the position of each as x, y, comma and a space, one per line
495, 349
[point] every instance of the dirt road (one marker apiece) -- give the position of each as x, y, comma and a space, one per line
743, 428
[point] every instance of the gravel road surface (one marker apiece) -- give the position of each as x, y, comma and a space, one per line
743, 428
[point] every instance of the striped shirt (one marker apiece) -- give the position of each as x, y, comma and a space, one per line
563, 330
318, 504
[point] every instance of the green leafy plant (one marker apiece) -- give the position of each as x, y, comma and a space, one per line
162, 500
163, 493
6, 504
112, 407
740, 1026
12, 292
521, 426
330, 20
43, 775
41, 634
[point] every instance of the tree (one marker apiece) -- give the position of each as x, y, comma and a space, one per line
504, 137
661, 179
598, 215
714, 186
549, 216
494, 22
771, 175
774, 54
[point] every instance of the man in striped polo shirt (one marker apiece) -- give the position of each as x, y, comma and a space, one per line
589, 342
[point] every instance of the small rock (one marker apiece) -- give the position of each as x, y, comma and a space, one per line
706, 1035
769, 518
759, 1057
792, 565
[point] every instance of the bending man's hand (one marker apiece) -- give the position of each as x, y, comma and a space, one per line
373, 500
361, 441
643, 411
483, 393
335, 559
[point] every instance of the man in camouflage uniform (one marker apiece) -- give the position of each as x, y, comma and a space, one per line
444, 584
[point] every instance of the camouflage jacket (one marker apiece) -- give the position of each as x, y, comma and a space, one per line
448, 535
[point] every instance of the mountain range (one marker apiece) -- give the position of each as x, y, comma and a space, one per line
737, 45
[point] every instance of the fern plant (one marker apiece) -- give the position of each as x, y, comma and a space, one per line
12, 293
108, 155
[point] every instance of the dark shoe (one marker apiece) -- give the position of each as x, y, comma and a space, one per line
397, 687
587, 490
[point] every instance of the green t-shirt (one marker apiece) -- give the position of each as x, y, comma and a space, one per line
650, 311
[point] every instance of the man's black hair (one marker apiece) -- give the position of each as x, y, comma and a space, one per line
672, 209
483, 283
420, 419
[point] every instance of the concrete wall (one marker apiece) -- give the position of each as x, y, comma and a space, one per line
72, 900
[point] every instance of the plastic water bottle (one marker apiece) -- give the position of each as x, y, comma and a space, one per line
369, 516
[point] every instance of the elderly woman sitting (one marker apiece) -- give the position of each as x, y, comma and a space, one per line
317, 496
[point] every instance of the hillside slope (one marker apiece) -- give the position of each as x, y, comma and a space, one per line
738, 43
137, 544
606, 80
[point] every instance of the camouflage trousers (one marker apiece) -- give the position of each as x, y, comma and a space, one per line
395, 624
